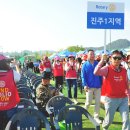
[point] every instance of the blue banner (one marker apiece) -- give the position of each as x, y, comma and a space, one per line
103, 20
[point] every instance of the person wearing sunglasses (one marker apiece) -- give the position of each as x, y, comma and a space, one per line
116, 85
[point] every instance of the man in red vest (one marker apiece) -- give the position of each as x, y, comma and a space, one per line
116, 89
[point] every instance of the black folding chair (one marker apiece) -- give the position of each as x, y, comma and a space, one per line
72, 117
25, 103
54, 105
26, 92
28, 119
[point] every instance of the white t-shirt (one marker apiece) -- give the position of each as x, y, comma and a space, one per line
17, 75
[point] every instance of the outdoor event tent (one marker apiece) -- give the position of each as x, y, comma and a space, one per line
66, 53
53, 56
100, 52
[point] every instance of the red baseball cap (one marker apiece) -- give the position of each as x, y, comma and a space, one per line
2, 57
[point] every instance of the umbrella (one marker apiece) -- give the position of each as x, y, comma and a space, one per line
64, 53
52, 56
100, 52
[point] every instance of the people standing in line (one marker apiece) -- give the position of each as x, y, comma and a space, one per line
71, 77
92, 84
116, 90
58, 72
9, 97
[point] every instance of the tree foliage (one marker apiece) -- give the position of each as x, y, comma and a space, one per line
118, 44
75, 48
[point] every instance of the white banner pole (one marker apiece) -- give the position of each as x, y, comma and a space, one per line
105, 41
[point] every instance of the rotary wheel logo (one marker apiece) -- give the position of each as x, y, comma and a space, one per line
112, 7
2, 84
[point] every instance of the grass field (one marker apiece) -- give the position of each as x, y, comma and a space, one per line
87, 125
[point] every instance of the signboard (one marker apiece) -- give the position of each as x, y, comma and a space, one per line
105, 15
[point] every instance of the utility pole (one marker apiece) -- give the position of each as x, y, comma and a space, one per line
110, 41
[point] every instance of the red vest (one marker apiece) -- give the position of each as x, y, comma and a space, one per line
9, 97
71, 73
115, 84
58, 70
46, 65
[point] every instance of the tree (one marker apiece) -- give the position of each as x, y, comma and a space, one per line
75, 48
37, 55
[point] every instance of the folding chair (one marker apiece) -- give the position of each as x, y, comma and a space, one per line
25, 103
71, 115
54, 105
28, 119
26, 92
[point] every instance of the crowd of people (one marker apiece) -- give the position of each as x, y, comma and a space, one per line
111, 82
105, 76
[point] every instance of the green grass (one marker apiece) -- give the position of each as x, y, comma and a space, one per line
87, 125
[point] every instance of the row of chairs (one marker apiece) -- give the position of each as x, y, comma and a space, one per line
59, 109
28, 117
62, 109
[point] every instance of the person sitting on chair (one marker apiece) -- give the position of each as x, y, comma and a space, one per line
44, 92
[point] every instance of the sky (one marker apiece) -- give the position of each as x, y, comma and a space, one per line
52, 25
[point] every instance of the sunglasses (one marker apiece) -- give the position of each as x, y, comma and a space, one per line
117, 58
